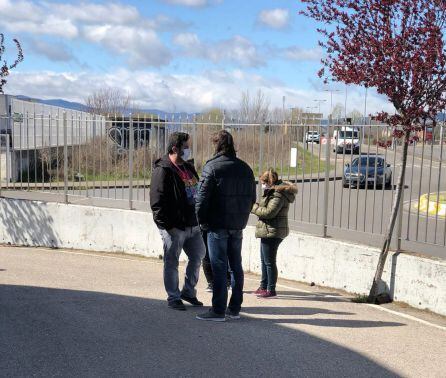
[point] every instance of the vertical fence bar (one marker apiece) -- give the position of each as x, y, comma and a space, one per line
259, 186
429, 187
131, 148
65, 157
35, 147
439, 185
327, 178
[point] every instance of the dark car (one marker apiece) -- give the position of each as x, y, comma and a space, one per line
367, 170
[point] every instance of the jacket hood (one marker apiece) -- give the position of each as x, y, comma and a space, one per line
163, 162
287, 189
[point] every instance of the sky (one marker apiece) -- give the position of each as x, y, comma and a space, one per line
173, 55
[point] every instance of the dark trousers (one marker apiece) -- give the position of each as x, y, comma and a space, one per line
207, 267
224, 246
268, 255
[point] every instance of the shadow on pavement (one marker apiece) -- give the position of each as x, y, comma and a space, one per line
49, 332
291, 311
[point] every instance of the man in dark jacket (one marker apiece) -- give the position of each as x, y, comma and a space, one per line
226, 194
173, 192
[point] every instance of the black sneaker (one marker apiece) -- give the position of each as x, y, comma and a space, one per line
232, 314
193, 301
210, 288
211, 316
177, 305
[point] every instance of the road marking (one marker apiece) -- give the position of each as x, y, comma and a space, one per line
396, 313
406, 316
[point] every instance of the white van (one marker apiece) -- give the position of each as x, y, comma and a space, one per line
347, 140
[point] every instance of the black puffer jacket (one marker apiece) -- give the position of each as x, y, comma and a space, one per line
226, 193
168, 199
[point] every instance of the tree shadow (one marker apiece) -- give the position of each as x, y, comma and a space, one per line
49, 332
27, 223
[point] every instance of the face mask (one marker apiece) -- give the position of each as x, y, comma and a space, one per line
186, 154
264, 186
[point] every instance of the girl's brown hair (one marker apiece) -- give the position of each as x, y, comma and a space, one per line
270, 177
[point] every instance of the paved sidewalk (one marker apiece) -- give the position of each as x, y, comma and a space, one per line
67, 313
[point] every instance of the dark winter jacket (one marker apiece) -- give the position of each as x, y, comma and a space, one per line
273, 211
226, 193
168, 199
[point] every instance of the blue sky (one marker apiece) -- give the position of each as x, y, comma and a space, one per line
187, 55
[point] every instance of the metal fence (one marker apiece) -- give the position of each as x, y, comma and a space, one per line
346, 174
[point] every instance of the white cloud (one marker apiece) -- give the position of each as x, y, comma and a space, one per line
54, 51
299, 54
142, 47
192, 3
274, 18
237, 49
117, 27
191, 93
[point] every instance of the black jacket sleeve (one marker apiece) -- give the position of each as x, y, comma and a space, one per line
158, 200
204, 195
253, 190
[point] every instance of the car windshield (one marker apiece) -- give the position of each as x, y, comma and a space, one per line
348, 134
368, 161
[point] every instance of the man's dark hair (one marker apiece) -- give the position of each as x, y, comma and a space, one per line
176, 140
224, 143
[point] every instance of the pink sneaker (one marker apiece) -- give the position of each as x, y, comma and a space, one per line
268, 294
259, 291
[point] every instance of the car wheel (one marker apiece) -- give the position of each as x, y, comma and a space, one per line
389, 183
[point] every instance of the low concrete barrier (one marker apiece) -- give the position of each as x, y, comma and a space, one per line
417, 281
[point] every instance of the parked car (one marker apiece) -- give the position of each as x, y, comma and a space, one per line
312, 137
367, 170
347, 140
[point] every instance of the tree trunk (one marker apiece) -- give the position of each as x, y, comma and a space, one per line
388, 236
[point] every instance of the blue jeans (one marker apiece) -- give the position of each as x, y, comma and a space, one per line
175, 240
224, 246
268, 255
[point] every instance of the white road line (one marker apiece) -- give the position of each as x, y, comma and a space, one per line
396, 313
406, 316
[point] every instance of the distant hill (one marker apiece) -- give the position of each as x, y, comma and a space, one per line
82, 108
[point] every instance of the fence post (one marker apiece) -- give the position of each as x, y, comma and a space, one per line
194, 139
223, 120
65, 157
131, 150
327, 177
261, 147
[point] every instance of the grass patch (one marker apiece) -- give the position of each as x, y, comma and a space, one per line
360, 298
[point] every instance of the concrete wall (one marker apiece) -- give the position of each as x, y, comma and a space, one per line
420, 282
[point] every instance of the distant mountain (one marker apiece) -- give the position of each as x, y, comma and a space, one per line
82, 108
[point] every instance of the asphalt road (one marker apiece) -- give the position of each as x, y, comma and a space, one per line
90, 315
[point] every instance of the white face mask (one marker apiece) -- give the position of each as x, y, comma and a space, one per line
186, 154
264, 186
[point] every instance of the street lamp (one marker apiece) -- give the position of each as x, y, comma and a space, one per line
331, 97
319, 103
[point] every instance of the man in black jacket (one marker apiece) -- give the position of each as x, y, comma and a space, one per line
226, 194
173, 192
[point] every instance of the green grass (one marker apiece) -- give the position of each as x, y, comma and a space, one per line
360, 298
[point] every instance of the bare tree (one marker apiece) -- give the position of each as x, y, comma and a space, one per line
108, 101
254, 109
338, 111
